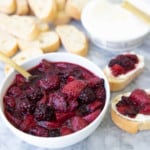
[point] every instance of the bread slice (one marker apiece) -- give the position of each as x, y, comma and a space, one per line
8, 44
44, 10
43, 26
22, 7
61, 4
22, 56
131, 125
61, 18
7, 6
73, 39
20, 26
47, 41
74, 8
120, 82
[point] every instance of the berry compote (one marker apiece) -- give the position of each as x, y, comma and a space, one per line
138, 102
63, 99
123, 63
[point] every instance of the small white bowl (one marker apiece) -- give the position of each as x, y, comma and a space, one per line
112, 27
62, 141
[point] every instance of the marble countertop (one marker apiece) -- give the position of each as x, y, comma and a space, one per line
107, 135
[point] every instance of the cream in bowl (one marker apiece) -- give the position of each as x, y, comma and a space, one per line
112, 27
62, 106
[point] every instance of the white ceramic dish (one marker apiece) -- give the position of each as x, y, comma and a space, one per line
113, 28
63, 141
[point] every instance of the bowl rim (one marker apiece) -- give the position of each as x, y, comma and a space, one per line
39, 58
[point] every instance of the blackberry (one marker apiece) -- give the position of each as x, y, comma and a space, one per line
86, 96
54, 132
44, 113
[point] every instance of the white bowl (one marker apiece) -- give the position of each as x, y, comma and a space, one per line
63, 141
112, 27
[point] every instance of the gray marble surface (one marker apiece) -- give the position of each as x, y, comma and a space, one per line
107, 135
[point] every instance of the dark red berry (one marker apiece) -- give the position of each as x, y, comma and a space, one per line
39, 131
44, 113
83, 110
145, 110
73, 88
72, 105
54, 132
92, 116
14, 91
27, 123
140, 97
127, 107
45, 66
117, 70
133, 58
95, 82
61, 117
49, 83
49, 124
65, 131
86, 96
78, 123
9, 102
34, 94
113, 62
58, 101
101, 94
25, 107
15, 121
20, 80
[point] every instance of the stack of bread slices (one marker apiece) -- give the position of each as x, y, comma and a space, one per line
30, 28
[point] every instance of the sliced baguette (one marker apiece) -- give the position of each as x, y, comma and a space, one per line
22, 56
44, 10
120, 82
74, 8
22, 7
47, 41
7, 6
61, 4
61, 18
73, 39
20, 26
43, 26
125, 123
8, 44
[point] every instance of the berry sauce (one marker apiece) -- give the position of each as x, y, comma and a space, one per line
138, 102
122, 64
63, 99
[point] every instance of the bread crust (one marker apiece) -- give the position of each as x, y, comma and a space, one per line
8, 44
8, 7
22, 7
74, 8
61, 4
126, 124
45, 12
